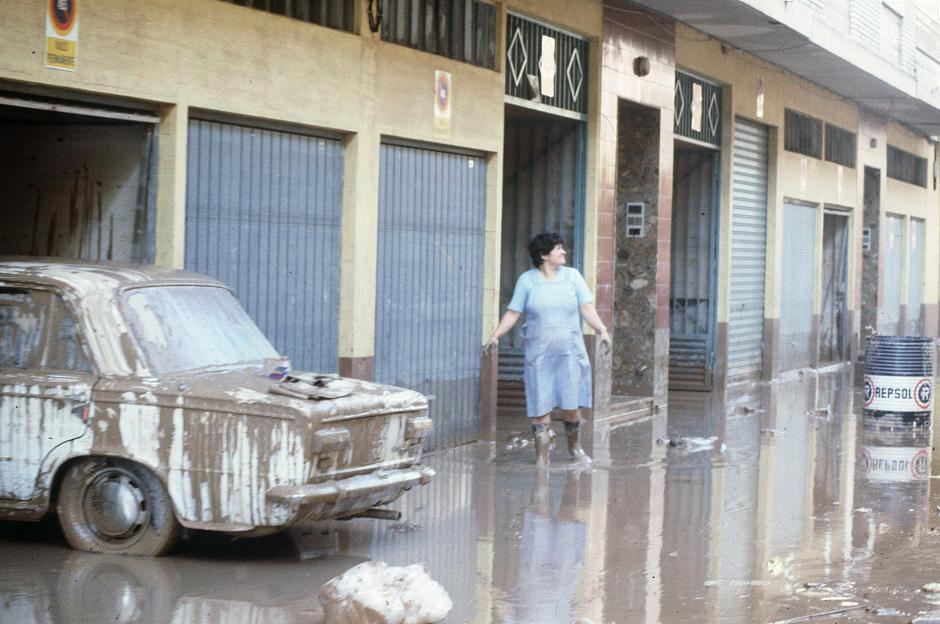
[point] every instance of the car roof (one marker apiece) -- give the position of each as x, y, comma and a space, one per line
86, 277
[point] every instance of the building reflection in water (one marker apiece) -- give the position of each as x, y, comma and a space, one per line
798, 488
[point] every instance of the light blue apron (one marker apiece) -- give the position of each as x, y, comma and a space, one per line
557, 368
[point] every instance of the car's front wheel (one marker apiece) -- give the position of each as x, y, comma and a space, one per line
118, 507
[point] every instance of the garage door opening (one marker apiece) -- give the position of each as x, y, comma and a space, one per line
77, 183
833, 325
543, 191
693, 308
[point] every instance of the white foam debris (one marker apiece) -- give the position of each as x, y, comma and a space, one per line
374, 592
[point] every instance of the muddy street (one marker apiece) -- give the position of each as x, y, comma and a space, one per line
783, 504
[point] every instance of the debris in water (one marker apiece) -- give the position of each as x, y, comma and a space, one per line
816, 616
518, 440
931, 588
376, 593
736, 583
689, 443
777, 565
405, 527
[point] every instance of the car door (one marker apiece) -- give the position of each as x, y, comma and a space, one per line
46, 381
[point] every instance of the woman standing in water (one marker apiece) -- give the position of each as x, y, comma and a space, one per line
554, 299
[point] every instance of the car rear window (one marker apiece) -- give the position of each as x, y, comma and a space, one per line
183, 328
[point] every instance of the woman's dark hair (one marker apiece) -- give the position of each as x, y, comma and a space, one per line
542, 245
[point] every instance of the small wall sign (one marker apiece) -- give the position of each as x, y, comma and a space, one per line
442, 101
62, 34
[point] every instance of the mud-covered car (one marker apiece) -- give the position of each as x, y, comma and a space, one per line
135, 400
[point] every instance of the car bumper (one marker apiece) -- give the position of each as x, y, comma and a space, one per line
377, 485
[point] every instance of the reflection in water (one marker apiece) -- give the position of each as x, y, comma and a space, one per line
551, 555
50, 584
801, 507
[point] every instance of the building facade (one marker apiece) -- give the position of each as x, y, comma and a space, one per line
745, 198
796, 164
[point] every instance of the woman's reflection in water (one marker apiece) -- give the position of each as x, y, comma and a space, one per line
552, 554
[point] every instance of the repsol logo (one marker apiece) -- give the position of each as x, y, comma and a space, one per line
897, 392
893, 393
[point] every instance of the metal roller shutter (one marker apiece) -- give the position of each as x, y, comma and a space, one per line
263, 212
748, 251
890, 322
797, 281
429, 304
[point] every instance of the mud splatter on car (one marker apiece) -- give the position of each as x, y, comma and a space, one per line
135, 400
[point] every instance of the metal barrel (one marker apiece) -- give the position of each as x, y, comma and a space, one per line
898, 382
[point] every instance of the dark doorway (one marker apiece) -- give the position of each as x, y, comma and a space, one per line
833, 329
75, 185
543, 191
694, 264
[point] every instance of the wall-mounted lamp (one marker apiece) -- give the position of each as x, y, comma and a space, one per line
641, 66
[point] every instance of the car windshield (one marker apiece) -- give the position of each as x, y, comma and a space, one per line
187, 327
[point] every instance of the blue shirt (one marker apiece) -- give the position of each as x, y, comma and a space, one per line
530, 278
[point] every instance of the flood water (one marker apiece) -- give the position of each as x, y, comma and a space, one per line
796, 509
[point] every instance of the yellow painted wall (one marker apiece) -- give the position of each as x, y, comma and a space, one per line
791, 175
216, 56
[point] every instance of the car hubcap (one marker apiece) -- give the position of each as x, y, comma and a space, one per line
115, 504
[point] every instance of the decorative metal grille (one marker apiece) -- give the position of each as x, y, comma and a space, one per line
802, 134
338, 14
907, 167
697, 109
538, 73
464, 30
840, 146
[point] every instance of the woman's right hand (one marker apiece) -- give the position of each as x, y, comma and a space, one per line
491, 345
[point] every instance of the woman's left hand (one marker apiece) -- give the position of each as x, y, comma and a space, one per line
605, 342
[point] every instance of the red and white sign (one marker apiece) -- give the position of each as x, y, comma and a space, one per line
886, 393
442, 101
62, 34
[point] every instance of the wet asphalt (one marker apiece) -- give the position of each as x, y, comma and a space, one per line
781, 503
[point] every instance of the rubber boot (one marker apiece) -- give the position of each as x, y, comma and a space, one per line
542, 434
575, 452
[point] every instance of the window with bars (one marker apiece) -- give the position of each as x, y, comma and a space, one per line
338, 14
840, 146
463, 30
802, 134
907, 167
